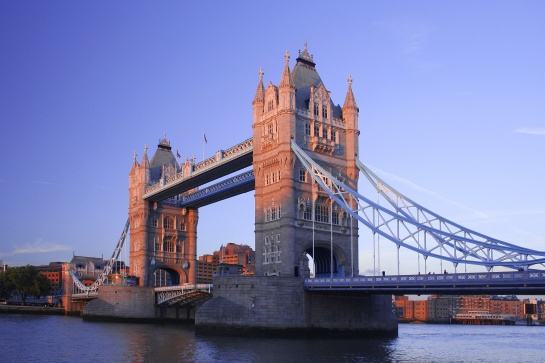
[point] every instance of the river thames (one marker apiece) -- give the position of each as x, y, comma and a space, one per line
45, 338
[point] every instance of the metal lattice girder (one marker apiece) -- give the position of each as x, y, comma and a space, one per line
186, 294
411, 226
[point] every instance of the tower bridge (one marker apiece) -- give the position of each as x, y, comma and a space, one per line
305, 168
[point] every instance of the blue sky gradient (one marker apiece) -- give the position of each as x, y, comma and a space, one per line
451, 98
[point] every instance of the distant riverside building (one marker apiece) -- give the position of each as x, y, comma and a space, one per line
437, 308
53, 272
231, 254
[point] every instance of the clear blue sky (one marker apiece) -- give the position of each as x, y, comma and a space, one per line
451, 97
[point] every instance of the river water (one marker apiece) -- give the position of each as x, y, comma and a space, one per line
45, 338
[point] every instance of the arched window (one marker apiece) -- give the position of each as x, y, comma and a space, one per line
168, 223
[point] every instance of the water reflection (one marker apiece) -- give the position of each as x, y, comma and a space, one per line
30, 338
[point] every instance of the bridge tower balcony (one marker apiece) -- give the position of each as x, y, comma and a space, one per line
322, 144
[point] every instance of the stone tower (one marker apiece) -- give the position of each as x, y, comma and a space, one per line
163, 236
293, 216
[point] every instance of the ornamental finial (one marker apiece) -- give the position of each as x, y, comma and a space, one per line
287, 56
261, 73
350, 80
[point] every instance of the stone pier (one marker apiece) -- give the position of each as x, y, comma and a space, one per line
134, 304
279, 306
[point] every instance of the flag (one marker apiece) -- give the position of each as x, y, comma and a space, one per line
177, 154
206, 141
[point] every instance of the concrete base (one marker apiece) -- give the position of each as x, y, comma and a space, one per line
280, 306
135, 304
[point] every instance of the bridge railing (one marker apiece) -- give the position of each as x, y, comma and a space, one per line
429, 279
207, 287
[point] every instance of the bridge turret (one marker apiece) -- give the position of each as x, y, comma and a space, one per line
163, 235
287, 88
350, 113
259, 99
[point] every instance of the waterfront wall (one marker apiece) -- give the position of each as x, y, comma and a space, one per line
280, 305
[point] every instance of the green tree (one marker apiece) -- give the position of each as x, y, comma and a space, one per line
25, 282
5, 289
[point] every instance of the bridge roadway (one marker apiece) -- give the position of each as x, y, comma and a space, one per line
504, 283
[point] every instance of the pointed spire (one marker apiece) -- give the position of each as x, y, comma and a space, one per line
260, 92
145, 160
350, 100
134, 162
286, 80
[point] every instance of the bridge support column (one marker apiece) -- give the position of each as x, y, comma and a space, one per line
280, 306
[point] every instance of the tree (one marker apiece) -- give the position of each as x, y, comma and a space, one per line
5, 289
24, 281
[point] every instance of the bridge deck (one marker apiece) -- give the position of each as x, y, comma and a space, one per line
529, 283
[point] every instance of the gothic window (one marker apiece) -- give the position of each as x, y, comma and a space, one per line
324, 111
182, 227
307, 128
157, 243
316, 130
335, 216
154, 223
270, 105
303, 175
324, 132
316, 109
270, 128
322, 213
168, 223
267, 179
307, 215
169, 245
334, 136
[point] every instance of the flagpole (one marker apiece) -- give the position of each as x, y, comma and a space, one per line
203, 142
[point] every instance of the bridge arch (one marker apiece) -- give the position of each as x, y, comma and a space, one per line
166, 275
323, 259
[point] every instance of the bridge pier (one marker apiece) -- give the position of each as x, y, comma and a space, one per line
134, 304
280, 306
